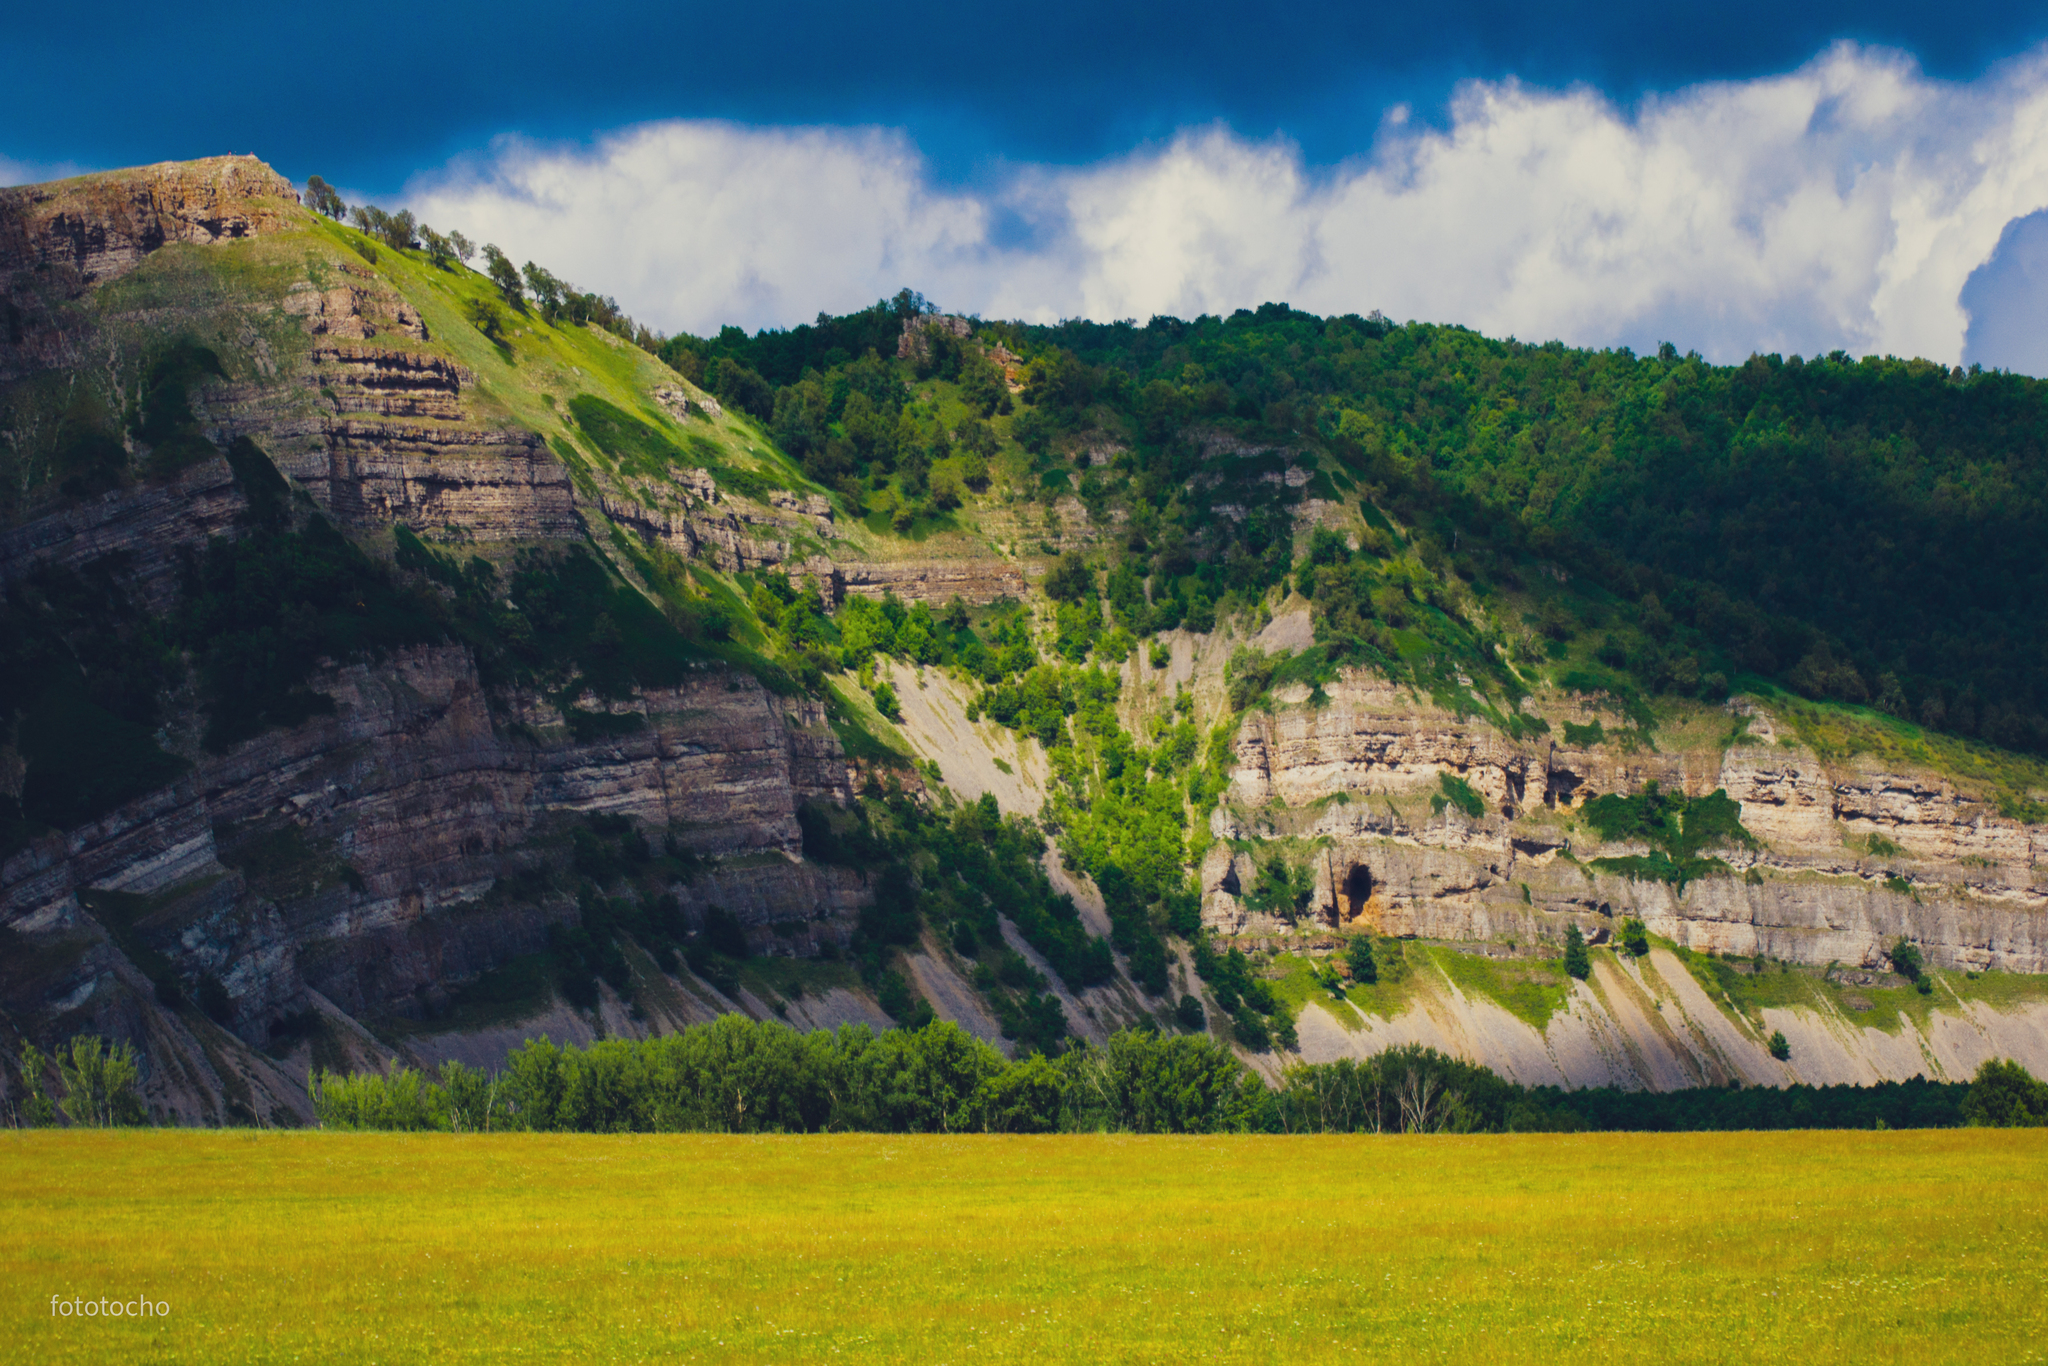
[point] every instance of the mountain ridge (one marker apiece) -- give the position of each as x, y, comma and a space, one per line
511, 666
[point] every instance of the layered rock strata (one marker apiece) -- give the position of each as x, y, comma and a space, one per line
976, 581
416, 824
98, 227
731, 534
146, 528
1355, 778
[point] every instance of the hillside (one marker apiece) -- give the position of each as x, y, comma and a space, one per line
398, 662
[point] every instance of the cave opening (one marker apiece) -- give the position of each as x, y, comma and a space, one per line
1357, 890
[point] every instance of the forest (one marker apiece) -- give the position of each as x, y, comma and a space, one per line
1857, 529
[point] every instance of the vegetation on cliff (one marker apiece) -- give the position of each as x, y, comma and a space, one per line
1859, 530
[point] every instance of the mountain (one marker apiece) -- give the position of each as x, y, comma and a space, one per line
402, 659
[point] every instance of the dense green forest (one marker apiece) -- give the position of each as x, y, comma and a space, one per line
1864, 530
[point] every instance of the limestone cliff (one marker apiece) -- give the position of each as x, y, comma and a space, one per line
1356, 776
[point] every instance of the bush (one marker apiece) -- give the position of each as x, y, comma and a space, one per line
1906, 960
99, 1083
1780, 1047
1189, 1014
1070, 580
1358, 957
37, 1111
1457, 792
1635, 937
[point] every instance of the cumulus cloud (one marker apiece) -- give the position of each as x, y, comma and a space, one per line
1842, 205
691, 225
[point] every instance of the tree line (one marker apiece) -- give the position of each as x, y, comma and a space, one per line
529, 288
736, 1075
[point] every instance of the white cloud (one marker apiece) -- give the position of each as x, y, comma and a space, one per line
697, 224
1841, 205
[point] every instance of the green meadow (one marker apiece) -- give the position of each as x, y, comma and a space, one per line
389, 1248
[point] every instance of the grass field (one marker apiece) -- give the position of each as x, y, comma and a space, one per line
388, 1248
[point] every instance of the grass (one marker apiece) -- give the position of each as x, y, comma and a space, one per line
1530, 990
864, 733
1999, 990
793, 978
1837, 732
1296, 986
1888, 1007
273, 1247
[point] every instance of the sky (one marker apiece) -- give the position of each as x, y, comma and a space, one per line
1733, 178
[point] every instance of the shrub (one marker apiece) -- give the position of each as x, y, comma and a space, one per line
1906, 959
1358, 957
99, 1083
1780, 1047
1069, 580
37, 1110
1457, 792
1635, 937
1189, 1014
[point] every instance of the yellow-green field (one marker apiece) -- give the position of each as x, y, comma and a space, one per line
387, 1248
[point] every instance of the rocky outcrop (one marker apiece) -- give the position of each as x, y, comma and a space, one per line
389, 383
1372, 738
350, 311
914, 343
371, 859
976, 581
719, 532
95, 228
1356, 778
497, 485
146, 528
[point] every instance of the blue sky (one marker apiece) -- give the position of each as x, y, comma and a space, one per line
1768, 167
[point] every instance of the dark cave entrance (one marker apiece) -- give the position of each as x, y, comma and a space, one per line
1357, 890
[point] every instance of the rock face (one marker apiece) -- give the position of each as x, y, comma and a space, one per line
354, 871
500, 485
150, 525
344, 880
699, 520
419, 831
97, 227
978, 581
1358, 774
915, 341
